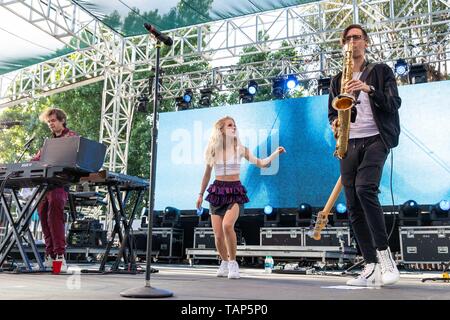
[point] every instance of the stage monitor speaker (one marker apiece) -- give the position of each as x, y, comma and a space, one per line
74, 152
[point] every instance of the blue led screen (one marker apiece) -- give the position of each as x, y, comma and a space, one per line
308, 171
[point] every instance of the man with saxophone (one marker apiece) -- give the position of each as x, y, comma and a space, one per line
373, 132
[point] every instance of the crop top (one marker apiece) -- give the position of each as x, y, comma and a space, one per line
231, 165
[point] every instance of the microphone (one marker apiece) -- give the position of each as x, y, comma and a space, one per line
9, 123
158, 35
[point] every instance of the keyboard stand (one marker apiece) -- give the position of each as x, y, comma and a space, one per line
126, 250
19, 231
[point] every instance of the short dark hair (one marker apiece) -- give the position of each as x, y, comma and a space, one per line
353, 26
60, 115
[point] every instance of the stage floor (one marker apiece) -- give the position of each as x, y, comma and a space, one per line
199, 283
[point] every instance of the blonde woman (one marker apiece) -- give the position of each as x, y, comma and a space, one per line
227, 195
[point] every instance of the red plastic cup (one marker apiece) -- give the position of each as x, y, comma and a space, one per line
56, 266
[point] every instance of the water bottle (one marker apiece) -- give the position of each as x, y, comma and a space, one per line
268, 264
200, 211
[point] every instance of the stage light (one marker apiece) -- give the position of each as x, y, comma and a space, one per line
444, 205
180, 104
410, 209
409, 214
188, 94
142, 103
171, 217
171, 213
268, 210
418, 73
291, 82
271, 216
304, 211
440, 210
340, 216
278, 87
341, 208
323, 86
252, 87
401, 67
245, 96
205, 97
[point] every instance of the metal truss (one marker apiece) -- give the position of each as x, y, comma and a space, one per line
117, 115
415, 30
310, 28
63, 73
69, 23
96, 46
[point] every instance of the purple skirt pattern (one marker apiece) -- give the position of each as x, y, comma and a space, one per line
226, 192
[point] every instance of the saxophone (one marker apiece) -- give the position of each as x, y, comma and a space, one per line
343, 104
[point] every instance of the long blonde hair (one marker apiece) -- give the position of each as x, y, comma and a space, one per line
217, 140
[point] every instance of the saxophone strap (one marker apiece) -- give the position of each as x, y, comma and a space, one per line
365, 74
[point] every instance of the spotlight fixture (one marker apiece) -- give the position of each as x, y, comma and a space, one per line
418, 73
410, 209
304, 211
187, 96
180, 104
170, 217
401, 67
444, 205
142, 103
205, 97
171, 213
323, 86
304, 215
268, 210
409, 214
252, 87
341, 208
341, 215
291, 82
245, 96
278, 87
440, 212
271, 216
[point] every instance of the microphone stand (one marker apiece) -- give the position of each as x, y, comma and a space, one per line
25, 148
148, 291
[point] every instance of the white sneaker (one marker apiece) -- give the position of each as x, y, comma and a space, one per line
48, 262
389, 271
369, 277
223, 269
63, 264
233, 268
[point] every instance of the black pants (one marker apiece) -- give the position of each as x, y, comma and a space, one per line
360, 175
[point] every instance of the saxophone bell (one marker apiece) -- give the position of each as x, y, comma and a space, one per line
344, 101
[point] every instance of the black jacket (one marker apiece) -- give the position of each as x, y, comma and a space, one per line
384, 102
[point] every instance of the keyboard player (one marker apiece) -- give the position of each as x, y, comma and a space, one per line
51, 208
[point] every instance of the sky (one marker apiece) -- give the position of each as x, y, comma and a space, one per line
20, 37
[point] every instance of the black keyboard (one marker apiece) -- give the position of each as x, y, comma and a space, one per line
31, 174
108, 177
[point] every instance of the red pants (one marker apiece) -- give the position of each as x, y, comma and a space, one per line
51, 214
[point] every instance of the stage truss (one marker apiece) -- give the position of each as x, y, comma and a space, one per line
415, 30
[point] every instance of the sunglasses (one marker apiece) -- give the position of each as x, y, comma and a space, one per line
355, 37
